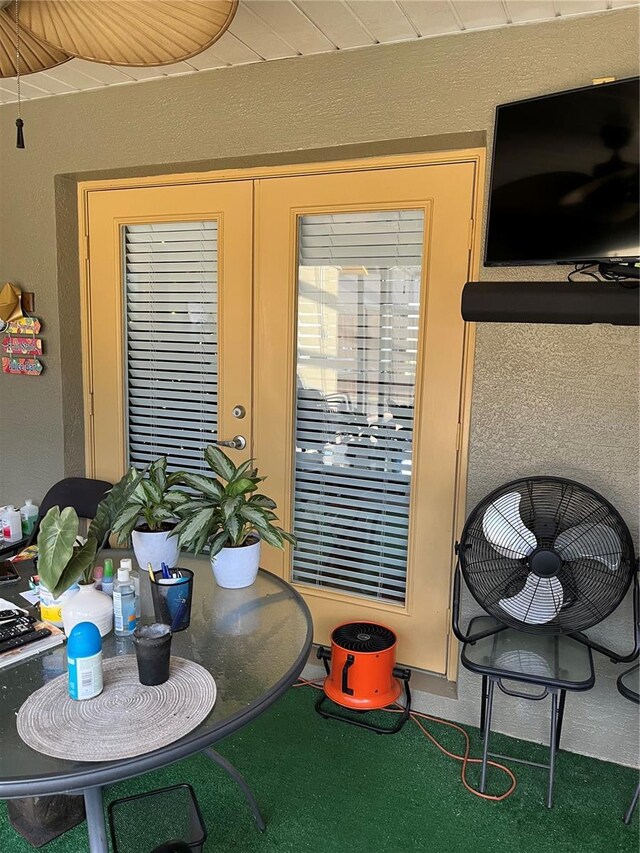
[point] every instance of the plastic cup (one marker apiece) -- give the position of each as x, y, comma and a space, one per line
153, 653
172, 599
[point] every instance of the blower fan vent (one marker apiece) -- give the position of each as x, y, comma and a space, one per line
545, 554
363, 637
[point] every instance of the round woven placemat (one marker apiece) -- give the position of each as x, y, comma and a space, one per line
125, 720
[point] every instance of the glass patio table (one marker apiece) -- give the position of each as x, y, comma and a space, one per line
254, 641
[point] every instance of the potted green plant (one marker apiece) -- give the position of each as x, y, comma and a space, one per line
65, 562
229, 515
148, 517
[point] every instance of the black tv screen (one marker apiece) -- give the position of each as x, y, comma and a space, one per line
564, 182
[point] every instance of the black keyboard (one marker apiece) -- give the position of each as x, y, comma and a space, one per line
24, 639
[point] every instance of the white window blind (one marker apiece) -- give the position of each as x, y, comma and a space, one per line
171, 287
359, 280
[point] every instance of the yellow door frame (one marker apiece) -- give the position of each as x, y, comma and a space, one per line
477, 156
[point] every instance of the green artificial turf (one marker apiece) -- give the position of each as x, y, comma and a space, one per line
326, 787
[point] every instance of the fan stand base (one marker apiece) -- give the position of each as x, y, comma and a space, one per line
331, 714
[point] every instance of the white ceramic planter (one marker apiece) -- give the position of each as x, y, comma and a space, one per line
155, 547
235, 568
88, 605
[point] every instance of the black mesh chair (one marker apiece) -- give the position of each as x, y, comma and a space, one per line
82, 494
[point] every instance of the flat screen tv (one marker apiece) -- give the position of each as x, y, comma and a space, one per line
564, 180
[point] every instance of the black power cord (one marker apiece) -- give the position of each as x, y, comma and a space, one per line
605, 273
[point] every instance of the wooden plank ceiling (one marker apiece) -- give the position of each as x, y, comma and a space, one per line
275, 29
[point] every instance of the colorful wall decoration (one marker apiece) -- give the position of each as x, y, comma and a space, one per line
19, 335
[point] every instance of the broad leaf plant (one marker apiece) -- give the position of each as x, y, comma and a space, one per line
226, 510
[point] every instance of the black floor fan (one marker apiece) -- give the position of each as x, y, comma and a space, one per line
547, 555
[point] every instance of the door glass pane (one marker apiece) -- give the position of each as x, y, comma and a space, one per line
359, 280
171, 329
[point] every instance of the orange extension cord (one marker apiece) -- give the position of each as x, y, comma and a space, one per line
416, 716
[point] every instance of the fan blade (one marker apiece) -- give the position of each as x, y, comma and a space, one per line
591, 541
505, 530
538, 602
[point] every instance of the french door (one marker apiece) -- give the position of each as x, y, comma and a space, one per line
317, 316
359, 358
170, 324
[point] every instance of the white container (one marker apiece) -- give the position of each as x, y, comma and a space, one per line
127, 563
155, 547
28, 516
124, 602
11, 525
88, 605
50, 607
235, 568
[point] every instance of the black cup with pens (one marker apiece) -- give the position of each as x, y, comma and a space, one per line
172, 591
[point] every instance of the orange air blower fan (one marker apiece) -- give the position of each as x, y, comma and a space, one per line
362, 674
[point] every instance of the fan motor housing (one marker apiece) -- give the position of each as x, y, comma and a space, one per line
363, 657
545, 562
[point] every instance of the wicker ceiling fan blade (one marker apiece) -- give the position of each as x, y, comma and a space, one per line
34, 54
129, 32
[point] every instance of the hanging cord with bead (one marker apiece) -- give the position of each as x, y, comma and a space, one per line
19, 122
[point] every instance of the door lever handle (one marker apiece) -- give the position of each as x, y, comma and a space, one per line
238, 442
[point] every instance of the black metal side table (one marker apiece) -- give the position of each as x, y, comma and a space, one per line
556, 663
629, 685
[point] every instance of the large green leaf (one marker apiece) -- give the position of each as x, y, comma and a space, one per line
162, 514
153, 492
191, 528
126, 522
262, 500
176, 498
241, 487
218, 544
229, 505
56, 537
113, 504
81, 560
194, 504
219, 462
158, 473
201, 540
288, 537
253, 514
271, 535
233, 526
241, 470
206, 485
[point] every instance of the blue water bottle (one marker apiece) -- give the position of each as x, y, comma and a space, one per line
84, 656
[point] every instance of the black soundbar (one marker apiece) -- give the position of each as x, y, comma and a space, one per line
550, 302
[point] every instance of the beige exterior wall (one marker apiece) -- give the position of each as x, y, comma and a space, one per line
547, 399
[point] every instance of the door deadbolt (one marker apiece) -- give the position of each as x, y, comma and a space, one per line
239, 412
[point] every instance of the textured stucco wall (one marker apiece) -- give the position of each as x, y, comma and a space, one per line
549, 399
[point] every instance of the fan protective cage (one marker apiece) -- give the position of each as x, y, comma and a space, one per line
591, 588
363, 637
